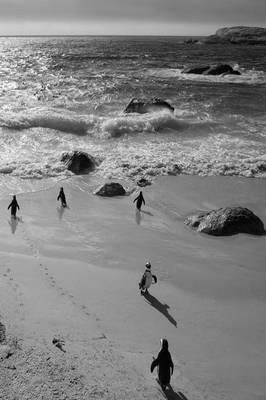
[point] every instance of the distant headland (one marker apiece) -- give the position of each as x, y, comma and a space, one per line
236, 35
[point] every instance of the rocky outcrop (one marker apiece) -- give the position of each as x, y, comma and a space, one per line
217, 69
111, 189
238, 35
226, 221
79, 162
144, 106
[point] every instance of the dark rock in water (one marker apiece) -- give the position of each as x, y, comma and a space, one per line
111, 189
219, 69
2, 333
226, 221
196, 70
144, 106
246, 35
79, 162
176, 169
191, 41
143, 182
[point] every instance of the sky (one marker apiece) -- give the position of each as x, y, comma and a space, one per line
127, 17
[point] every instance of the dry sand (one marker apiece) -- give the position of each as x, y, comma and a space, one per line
72, 275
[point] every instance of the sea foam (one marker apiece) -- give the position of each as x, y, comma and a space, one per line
248, 76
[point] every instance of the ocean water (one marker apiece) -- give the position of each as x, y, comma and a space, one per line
68, 93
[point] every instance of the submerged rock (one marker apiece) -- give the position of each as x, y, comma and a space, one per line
143, 182
79, 162
226, 221
111, 189
217, 69
144, 106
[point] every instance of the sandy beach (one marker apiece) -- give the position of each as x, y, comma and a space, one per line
71, 276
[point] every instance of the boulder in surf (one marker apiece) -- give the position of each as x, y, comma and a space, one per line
226, 221
144, 106
79, 162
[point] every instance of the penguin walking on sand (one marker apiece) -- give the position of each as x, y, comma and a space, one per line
14, 206
62, 197
147, 279
139, 199
165, 365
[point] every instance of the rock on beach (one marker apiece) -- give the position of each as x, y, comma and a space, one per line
226, 221
111, 189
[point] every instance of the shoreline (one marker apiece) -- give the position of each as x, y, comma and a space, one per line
66, 274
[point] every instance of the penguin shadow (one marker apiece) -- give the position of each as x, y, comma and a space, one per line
162, 308
147, 212
61, 210
13, 223
139, 217
170, 394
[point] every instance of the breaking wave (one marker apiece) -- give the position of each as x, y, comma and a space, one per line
94, 125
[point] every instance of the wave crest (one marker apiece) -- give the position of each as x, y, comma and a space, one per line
92, 124
46, 119
136, 123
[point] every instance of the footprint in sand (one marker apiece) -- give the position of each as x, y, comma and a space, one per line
88, 242
45, 270
18, 293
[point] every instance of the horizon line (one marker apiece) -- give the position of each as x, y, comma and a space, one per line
99, 35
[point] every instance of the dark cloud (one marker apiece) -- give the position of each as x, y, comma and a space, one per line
198, 11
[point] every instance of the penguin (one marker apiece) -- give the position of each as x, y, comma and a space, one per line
62, 197
139, 199
165, 365
146, 279
14, 206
